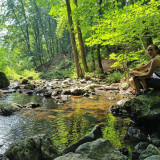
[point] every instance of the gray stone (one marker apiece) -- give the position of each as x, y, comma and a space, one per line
141, 146
150, 150
154, 157
8, 109
100, 149
34, 148
31, 105
72, 156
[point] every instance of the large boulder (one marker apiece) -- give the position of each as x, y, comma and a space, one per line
4, 82
144, 151
34, 148
145, 109
100, 149
93, 135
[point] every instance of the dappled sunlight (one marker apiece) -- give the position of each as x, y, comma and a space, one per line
51, 117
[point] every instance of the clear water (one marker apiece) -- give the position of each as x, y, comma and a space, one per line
66, 122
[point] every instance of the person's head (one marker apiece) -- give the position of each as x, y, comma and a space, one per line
152, 50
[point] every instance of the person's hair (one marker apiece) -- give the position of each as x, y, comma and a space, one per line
156, 48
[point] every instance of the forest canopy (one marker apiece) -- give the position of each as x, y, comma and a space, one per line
34, 32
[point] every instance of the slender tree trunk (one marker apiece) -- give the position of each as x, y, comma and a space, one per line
81, 44
79, 71
92, 59
99, 46
43, 29
99, 58
51, 36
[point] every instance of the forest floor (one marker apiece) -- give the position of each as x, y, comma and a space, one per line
106, 63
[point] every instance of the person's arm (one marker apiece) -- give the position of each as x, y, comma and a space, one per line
143, 67
140, 70
153, 66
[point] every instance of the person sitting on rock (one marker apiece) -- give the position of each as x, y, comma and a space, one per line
147, 76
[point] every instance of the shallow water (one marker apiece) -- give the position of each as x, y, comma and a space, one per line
66, 122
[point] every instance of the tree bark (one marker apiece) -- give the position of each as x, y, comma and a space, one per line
76, 59
81, 44
99, 46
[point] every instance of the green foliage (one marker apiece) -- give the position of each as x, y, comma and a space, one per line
30, 73
114, 77
64, 69
132, 58
36, 38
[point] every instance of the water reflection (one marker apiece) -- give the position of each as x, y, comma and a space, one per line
67, 122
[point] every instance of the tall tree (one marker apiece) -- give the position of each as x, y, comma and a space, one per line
81, 44
78, 68
99, 45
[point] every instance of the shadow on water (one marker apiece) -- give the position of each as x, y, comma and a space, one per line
66, 122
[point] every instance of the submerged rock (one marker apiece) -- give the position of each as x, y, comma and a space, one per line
32, 105
8, 109
4, 82
3, 157
25, 81
34, 148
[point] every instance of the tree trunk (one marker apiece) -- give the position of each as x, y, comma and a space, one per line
99, 46
79, 71
81, 44
92, 59
43, 29
99, 58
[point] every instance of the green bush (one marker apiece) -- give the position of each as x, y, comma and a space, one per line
63, 70
114, 77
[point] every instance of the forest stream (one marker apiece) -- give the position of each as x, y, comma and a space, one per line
67, 122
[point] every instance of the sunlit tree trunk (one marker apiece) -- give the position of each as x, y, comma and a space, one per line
78, 68
81, 44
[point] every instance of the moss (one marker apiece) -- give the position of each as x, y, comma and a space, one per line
144, 106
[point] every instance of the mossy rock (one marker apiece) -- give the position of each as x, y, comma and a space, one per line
145, 109
4, 82
40, 147
8, 109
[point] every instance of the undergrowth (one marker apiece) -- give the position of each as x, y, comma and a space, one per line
114, 77
63, 70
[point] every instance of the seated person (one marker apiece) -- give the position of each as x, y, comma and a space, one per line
147, 76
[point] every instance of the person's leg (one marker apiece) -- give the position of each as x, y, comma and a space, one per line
137, 84
143, 83
131, 82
